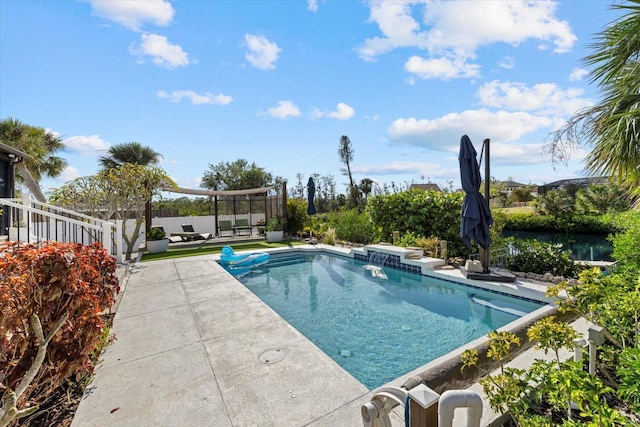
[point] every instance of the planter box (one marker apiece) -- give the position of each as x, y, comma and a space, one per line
155, 246
275, 236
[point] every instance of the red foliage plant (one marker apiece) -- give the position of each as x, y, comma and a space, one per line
49, 280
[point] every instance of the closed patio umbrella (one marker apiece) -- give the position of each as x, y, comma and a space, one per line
476, 216
311, 193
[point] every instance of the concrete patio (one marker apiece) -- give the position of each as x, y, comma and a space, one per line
188, 353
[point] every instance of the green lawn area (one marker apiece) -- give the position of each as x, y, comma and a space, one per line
519, 210
215, 249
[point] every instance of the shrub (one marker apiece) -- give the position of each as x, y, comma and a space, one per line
297, 216
49, 281
541, 258
353, 227
424, 213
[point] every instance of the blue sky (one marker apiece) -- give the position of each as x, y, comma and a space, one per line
279, 82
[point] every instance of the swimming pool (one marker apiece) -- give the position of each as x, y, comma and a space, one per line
377, 328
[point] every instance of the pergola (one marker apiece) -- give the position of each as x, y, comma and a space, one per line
279, 208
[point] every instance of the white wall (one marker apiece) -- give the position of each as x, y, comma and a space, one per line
201, 224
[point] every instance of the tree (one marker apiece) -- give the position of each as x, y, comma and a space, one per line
521, 194
556, 203
346, 153
610, 128
600, 199
366, 186
238, 175
41, 146
115, 193
129, 152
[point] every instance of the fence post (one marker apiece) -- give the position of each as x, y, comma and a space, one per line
107, 241
119, 240
423, 407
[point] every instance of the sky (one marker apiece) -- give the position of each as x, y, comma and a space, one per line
279, 82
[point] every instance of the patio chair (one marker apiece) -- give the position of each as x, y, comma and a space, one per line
188, 233
172, 238
224, 226
242, 225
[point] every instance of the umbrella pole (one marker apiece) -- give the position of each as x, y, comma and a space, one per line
484, 254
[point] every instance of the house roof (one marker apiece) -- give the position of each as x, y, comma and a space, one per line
580, 182
512, 184
10, 150
425, 187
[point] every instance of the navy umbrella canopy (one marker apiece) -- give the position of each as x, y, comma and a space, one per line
311, 193
476, 216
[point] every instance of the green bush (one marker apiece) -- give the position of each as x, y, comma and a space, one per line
297, 216
540, 258
423, 213
355, 227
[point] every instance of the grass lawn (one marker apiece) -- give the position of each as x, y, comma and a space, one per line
519, 210
215, 249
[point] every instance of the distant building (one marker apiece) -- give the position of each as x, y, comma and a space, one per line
575, 183
511, 185
425, 187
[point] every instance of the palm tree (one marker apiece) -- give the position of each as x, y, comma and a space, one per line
134, 153
611, 127
129, 152
41, 146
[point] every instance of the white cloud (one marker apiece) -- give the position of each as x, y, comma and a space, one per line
85, 144
578, 74
312, 5
69, 173
443, 133
133, 14
400, 168
283, 110
343, 112
442, 68
545, 98
196, 99
508, 62
261, 53
454, 30
160, 51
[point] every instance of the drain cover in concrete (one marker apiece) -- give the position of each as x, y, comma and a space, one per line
272, 356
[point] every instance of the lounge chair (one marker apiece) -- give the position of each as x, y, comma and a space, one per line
225, 225
188, 234
242, 225
172, 238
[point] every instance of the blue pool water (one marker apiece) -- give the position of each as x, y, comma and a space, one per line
377, 329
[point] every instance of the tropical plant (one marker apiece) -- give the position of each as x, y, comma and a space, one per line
129, 152
41, 146
609, 129
115, 193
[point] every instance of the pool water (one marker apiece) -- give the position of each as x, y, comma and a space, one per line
377, 329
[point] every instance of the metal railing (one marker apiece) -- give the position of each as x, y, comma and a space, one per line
31, 221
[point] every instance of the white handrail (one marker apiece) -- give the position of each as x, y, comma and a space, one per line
111, 233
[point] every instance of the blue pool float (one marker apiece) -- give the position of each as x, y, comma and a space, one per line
230, 259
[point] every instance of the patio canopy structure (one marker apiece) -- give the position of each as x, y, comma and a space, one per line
243, 200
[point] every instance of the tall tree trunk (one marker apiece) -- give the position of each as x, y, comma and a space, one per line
31, 183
